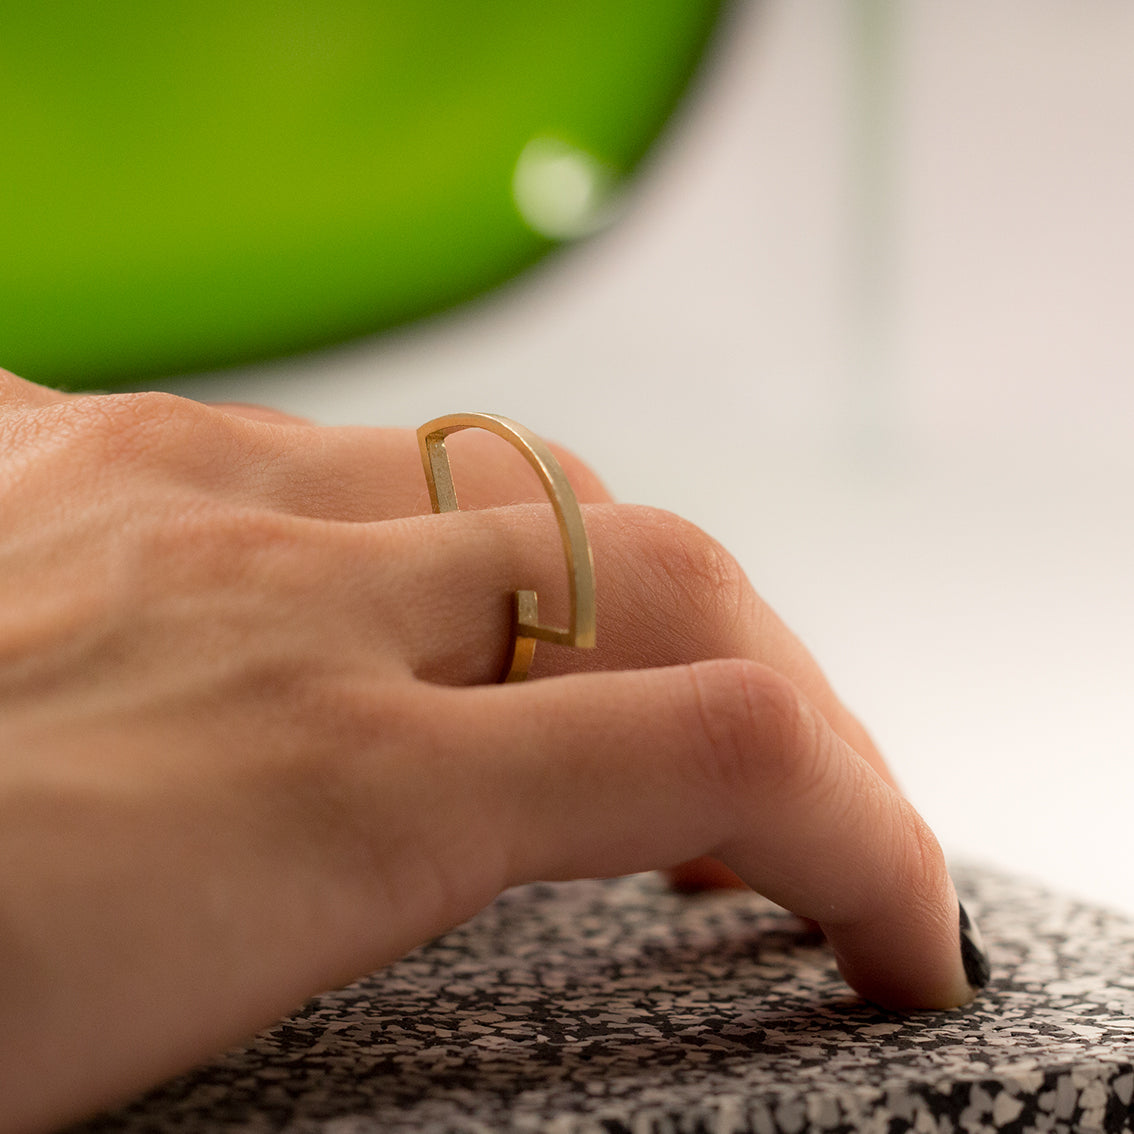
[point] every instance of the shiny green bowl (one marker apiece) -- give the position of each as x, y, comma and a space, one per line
192, 184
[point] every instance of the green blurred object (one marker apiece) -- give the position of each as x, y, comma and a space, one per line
191, 184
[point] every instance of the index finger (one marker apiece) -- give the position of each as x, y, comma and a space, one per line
599, 775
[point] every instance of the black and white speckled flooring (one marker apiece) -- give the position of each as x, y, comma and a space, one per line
610, 1007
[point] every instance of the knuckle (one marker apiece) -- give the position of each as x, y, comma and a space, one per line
695, 578
153, 427
11, 387
917, 858
18, 393
123, 413
90, 442
112, 428
757, 734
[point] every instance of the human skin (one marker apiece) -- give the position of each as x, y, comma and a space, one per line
253, 745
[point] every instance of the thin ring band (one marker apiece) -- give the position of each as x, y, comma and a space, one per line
526, 627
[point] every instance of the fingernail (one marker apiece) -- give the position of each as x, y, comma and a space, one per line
973, 955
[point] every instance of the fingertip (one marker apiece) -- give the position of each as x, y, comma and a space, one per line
945, 965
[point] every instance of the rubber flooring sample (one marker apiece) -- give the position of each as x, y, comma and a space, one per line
604, 1007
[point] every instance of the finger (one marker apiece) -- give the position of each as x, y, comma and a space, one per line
667, 595
604, 775
704, 873
379, 473
359, 473
260, 458
254, 412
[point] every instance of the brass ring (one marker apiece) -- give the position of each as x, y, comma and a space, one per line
526, 627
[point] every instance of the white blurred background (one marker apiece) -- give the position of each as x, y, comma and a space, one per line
869, 320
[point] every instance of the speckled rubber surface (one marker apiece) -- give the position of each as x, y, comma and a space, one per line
610, 1007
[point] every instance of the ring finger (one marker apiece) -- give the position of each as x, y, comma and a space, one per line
667, 595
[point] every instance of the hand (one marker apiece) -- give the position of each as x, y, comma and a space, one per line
252, 748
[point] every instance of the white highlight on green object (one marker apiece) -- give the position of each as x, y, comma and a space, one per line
561, 191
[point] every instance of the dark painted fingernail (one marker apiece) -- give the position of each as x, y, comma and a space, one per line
973, 955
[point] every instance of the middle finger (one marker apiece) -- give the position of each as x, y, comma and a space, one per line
667, 595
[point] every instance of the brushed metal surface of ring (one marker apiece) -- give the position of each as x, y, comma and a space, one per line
526, 627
